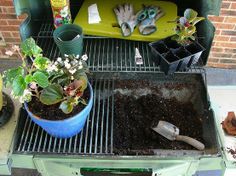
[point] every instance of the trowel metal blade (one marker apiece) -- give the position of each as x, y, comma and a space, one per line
167, 130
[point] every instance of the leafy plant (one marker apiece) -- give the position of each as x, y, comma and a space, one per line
186, 28
61, 81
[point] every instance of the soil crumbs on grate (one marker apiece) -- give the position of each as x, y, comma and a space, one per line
134, 118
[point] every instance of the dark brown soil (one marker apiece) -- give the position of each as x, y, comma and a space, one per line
53, 112
134, 118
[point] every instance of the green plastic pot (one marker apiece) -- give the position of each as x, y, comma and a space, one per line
64, 37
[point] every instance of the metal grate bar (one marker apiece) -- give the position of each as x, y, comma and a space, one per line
106, 54
95, 138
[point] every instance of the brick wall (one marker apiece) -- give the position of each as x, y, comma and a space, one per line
223, 52
9, 26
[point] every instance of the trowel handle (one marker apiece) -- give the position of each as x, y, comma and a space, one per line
193, 142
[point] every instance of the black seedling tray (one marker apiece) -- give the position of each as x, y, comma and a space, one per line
173, 57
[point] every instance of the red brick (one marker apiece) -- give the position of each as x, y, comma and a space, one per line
233, 5
224, 26
216, 18
230, 20
213, 60
215, 49
228, 45
9, 28
217, 32
227, 61
228, 13
224, 55
6, 3
225, 5
230, 50
221, 38
12, 40
228, 33
8, 16
221, 65
7, 34
10, 10
3, 22
233, 39
15, 34
14, 22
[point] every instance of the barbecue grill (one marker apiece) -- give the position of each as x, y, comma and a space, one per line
93, 151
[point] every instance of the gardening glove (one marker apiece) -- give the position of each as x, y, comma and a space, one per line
147, 26
126, 18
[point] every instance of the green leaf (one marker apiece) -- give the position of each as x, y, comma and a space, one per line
197, 19
190, 14
41, 79
66, 107
28, 79
51, 95
30, 48
41, 62
11, 74
18, 85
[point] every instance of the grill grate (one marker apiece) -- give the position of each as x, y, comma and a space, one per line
107, 54
95, 138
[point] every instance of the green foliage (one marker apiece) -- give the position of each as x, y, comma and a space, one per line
67, 105
41, 63
11, 74
185, 27
61, 81
19, 85
51, 95
30, 48
41, 79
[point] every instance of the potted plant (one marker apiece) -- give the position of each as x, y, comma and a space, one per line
180, 51
56, 94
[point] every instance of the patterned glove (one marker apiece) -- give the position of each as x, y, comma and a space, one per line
147, 25
126, 18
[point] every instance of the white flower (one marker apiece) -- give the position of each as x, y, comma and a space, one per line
59, 59
77, 56
67, 60
64, 12
68, 66
80, 63
85, 57
66, 55
16, 48
72, 71
26, 96
9, 53
72, 77
80, 66
56, 63
52, 67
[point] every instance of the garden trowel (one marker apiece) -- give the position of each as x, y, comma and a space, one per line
171, 132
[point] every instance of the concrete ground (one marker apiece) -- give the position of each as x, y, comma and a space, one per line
215, 76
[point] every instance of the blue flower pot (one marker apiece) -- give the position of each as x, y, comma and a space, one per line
68, 127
